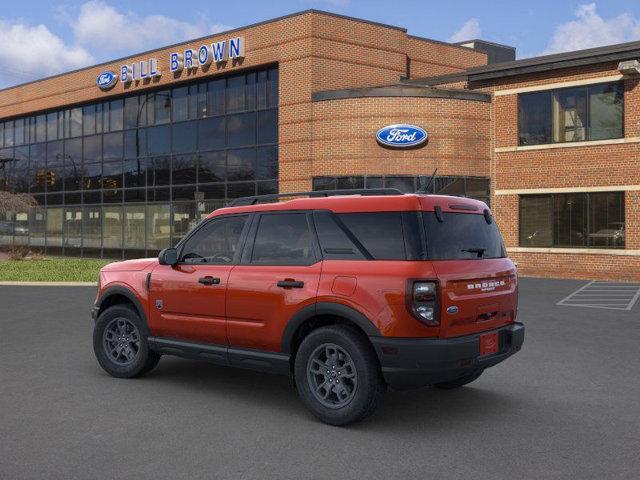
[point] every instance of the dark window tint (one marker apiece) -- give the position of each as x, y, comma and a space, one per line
462, 236
211, 133
380, 233
241, 129
216, 242
534, 118
283, 239
536, 217
184, 137
334, 240
158, 140
606, 107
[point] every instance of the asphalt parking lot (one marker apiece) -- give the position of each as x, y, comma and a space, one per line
567, 406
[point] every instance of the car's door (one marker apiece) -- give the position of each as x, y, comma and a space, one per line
277, 276
188, 299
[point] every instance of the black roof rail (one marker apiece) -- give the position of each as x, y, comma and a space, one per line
318, 193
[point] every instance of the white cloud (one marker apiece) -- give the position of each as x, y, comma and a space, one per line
28, 52
469, 31
591, 30
104, 29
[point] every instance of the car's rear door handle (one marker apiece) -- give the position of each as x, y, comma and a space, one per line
208, 280
290, 284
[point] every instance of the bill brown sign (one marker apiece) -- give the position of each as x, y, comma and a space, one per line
189, 59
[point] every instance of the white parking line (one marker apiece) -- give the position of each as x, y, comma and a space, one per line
613, 296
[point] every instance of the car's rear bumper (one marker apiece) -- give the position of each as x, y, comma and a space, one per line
412, 362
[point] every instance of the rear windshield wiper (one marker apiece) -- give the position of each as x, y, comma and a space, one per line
480, 251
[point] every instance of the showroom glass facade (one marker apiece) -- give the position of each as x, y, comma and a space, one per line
132, 175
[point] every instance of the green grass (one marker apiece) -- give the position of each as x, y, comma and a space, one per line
52, 270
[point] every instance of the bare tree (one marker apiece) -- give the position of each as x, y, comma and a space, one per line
16, 202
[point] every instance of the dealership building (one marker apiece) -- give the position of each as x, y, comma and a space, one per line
125, 157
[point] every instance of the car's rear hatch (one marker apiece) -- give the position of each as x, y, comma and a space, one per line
477, 283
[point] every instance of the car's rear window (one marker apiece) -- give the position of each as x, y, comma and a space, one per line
462, 236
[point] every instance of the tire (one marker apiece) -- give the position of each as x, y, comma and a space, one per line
459, 382
131, 358
353, 390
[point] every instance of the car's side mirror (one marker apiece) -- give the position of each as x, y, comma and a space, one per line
168, 256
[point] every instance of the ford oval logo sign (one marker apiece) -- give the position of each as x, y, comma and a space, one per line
106, 80
401, 136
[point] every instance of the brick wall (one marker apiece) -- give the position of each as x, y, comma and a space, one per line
572, 167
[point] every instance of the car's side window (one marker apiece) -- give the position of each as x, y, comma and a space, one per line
216, 242
283, 239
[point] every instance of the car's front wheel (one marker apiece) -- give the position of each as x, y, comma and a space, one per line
120, 343
337, 375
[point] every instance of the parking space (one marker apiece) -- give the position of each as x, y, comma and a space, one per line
607, 295
566, 406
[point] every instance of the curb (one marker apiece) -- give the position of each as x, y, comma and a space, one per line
49, 284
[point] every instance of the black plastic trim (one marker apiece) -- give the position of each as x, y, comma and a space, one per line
263, 361
325, 308
120, 290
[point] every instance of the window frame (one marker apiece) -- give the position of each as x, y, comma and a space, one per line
241, 241
552, 93
588, 196
247, 253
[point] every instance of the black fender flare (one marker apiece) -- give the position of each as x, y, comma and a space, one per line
325, 308
125, 292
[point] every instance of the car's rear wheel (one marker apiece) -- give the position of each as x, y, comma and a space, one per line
337, 375
459, 382
120, 343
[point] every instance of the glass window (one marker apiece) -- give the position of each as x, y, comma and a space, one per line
8, 134
201, 103
54, 227
606, 106
267, 168
216, 242
135, 172
89, 120
184, 169
272, 88
592, 112
235, 93
374, 182
334, 241
606, 220
536, 220
112, 145
158, 227
19, 131
241, 164
102, 117
52, 126
112, 175
184, 137
92, 148
92, 177
184, 219
21, 169
346, 183
211, 133
73, 228
75, 122
135, 143
55, 171
250, 91
130, 116
73, 164
241, 129
161, 171
268, 126
159, 140
595, 220
215, 97
37, 226
134, 227
570, 218
162, 107
116, 118
283, 239
261, 89
570, 115
112, 227
379, 233
404, 184
180, 102
92, 228
462, 236
243, 189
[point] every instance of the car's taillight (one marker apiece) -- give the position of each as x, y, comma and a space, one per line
423, 302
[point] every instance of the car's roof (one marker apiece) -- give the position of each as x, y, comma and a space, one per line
365, 203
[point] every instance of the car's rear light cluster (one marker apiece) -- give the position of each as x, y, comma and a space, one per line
423, 302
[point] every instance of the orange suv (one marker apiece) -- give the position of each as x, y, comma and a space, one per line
348, 292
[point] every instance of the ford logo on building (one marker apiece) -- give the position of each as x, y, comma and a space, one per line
106, 80
401, 136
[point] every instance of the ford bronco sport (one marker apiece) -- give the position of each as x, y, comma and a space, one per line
346, 292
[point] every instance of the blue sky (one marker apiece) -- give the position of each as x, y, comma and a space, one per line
43, 37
